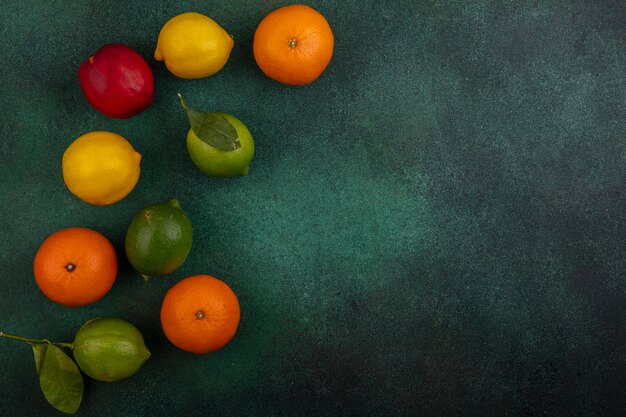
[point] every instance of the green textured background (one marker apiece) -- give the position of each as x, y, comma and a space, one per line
436, 227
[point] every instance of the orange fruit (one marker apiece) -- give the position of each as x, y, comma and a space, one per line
75, 266
293, 45
200, 314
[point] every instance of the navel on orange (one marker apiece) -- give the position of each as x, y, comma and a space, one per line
200, 314
75, 266
293, 45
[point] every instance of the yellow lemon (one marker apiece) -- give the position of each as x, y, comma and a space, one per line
193, 46
101, 168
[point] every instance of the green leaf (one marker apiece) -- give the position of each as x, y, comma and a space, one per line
39, 350
213, 129
60, 380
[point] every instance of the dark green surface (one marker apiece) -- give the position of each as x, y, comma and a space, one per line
435, 227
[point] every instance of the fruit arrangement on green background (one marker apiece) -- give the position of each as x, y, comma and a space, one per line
78, 266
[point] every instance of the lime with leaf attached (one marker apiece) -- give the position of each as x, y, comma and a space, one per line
106, 349
218, 143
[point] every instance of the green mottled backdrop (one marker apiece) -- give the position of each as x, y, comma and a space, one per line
436, 227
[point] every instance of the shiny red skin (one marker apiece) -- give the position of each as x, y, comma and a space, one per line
117, 81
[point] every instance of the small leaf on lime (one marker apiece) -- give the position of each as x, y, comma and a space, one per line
39, 351
60, 380
212, 128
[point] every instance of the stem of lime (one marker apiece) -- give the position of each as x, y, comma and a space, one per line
146, 278
175, 203
31, 341
182, 101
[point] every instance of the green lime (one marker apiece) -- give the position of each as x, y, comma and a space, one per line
218, 163
109, 349
159, 239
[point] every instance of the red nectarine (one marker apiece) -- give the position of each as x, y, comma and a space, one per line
117, 81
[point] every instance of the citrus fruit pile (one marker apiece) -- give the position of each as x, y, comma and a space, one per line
78, 266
